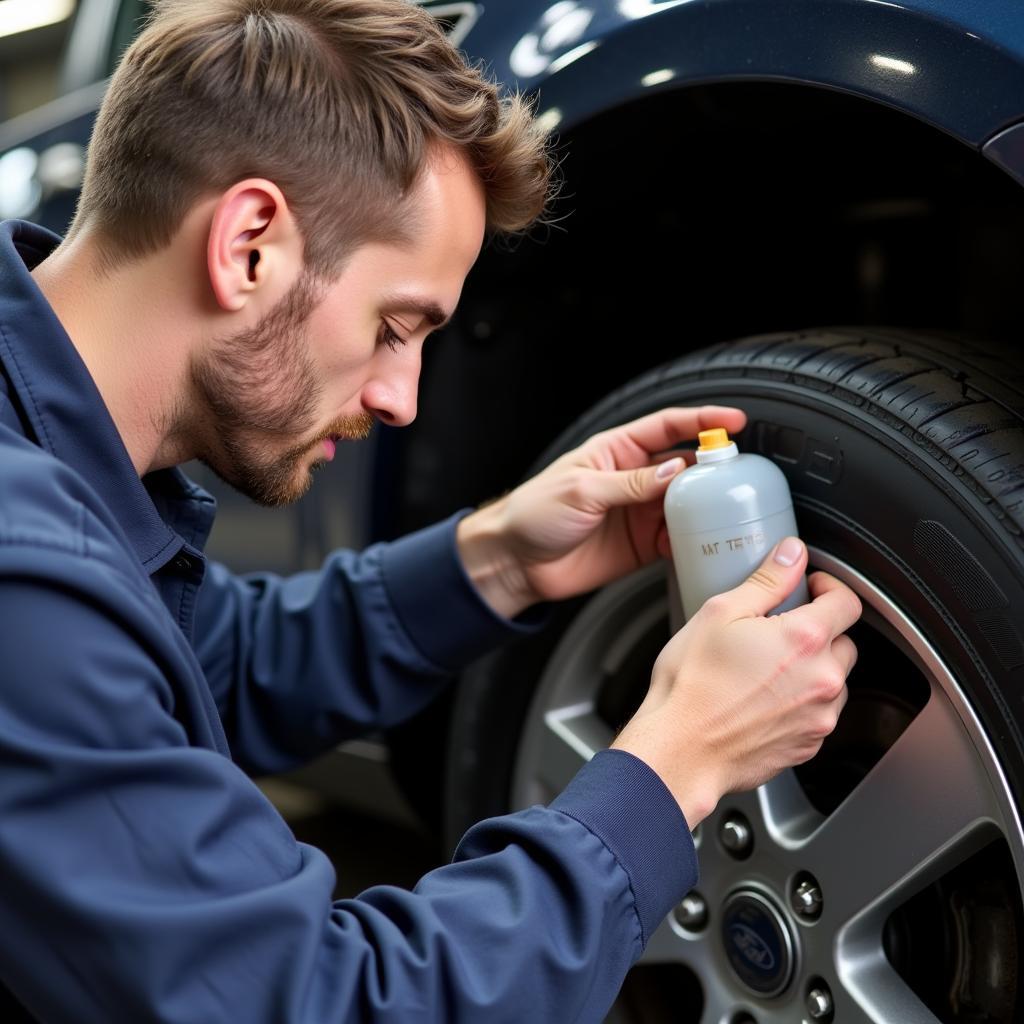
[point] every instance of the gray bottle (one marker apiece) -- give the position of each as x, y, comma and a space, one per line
724, 515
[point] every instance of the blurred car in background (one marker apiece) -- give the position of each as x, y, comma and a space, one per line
739, 176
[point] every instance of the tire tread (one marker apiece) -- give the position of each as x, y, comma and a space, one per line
960, 402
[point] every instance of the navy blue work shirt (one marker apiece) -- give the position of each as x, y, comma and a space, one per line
144, 876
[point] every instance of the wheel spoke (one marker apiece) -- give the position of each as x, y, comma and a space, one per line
570, 737
871, 992
915, 815
779, 809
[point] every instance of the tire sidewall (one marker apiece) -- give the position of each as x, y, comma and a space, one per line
867, 491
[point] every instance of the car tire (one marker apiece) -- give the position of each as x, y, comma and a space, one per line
905, 456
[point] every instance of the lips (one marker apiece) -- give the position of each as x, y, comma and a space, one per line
330, 444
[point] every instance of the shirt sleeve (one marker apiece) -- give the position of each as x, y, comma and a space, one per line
149, 880
299, 663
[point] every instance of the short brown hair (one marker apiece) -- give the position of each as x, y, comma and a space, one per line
336, 101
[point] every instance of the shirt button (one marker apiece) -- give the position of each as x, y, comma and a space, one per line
183, 563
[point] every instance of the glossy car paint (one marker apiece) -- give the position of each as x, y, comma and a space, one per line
955, 64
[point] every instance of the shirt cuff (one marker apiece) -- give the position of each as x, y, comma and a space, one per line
625, 804
437, 604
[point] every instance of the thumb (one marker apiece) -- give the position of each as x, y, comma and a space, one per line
771, 582
611, 489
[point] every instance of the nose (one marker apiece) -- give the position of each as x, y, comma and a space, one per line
391, 395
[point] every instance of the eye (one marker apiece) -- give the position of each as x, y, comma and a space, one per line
388, 336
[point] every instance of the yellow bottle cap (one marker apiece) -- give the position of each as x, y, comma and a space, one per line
718, 437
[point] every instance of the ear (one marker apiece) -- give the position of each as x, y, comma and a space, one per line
254, 248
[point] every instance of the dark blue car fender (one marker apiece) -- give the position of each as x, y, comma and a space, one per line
955, 64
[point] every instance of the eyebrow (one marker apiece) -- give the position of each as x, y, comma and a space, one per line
430, 311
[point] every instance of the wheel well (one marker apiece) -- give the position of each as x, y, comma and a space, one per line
690, 217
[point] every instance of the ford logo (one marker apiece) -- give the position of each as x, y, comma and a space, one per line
758, 942
752, 947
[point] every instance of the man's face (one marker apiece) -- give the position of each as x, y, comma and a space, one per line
333, 357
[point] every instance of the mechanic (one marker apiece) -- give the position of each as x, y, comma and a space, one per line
283, 199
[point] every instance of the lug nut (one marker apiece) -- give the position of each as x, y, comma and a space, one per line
819, 1003
735, 835
807, 899
692, 912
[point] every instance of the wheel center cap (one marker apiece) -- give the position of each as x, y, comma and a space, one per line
758, 942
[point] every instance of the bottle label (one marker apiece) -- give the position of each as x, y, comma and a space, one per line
755, 540
712, 561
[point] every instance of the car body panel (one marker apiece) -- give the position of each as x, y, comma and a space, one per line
954, 64
1006, 149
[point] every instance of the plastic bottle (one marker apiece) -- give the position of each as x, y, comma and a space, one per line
724, 515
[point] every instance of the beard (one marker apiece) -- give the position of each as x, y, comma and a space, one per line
259, 389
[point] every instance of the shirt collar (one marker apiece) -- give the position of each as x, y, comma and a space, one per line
68, 415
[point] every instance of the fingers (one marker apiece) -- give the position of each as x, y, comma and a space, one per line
844, 653
834, 605
835, 709
653, 467
666, 428
822, 582
844, 650
604, 489
840, 702
665, 456
688, 455
768, 585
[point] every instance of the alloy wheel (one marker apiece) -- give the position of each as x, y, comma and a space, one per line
879, 883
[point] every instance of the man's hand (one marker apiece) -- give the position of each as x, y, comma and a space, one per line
736, 697
593, 515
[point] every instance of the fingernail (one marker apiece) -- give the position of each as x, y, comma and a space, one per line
789, 551
667, 469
